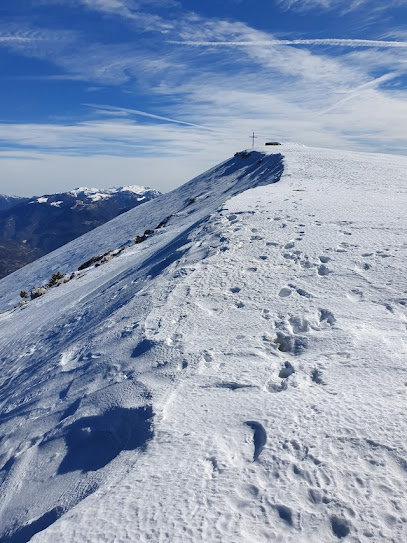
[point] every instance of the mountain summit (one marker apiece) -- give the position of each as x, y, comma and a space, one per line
224, 363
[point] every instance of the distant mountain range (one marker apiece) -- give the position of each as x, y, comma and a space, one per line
33, 227
6, 202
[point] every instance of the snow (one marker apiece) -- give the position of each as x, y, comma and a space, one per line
41, 200
238, 376
57, 204
133, 188
83, 190
99, 194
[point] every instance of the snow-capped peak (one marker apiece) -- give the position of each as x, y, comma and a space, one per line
133, 188
97, 194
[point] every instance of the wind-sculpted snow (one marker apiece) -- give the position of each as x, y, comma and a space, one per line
238, 375
91, 443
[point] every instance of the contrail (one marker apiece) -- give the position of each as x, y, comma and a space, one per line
359, 90
327, 41
15, 38
145, 114
22, 36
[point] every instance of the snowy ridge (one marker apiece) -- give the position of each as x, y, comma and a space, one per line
123, 229
99, 194
237, 376
93, 194
7, 202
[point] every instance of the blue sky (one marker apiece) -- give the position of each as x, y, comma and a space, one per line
116, 92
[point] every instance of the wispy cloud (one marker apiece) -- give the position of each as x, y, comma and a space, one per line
123, 8
334, 42
119, 7
82, 60
21, 36
355, 93
116, 136
14, 39
342, 5
120, 110
139, 12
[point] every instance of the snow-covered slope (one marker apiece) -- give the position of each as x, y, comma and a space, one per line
239, 376
210, 190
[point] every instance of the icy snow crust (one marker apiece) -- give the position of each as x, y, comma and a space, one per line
239, 376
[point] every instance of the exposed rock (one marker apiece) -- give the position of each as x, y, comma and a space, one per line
37, 292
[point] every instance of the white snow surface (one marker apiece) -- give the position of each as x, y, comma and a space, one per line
239, 376
99, 194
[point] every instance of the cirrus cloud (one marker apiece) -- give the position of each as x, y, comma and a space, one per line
345, 6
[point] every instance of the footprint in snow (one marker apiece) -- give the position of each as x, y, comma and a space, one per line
208, 358
285, 292
291, 287
129, 329
285, 514
287, 343
306, 264
286, 370
340, 527
266, 314
323, 270
355, 295
302, 292
326, 318
316, 377
142, 348
299, 325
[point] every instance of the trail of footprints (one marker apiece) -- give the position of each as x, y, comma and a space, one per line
305, 262
290, 337
290, 334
